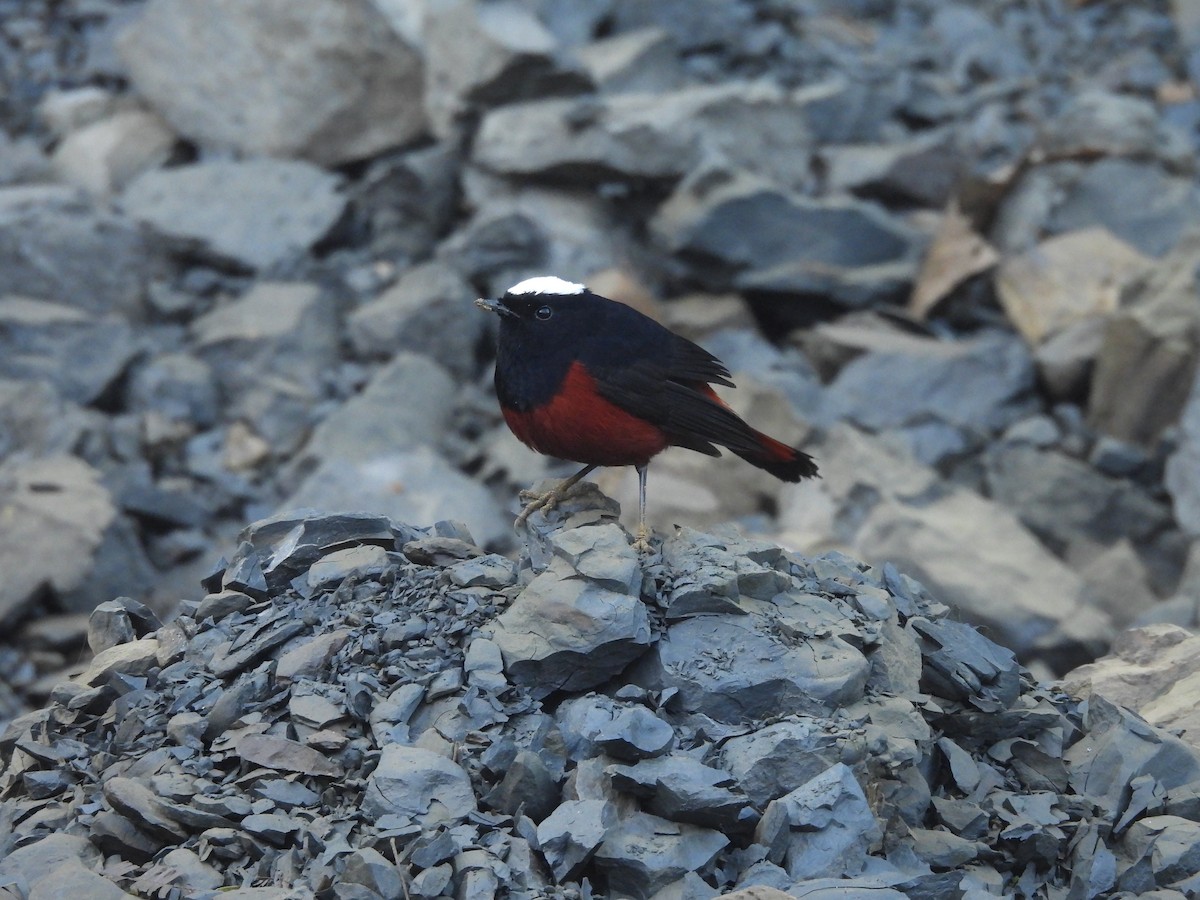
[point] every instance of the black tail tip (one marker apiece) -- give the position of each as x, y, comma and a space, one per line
799, 467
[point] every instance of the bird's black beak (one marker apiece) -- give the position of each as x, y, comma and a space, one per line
495, 306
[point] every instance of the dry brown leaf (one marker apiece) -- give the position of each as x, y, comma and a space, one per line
956, 254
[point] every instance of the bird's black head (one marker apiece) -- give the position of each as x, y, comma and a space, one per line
545, 310
536, 300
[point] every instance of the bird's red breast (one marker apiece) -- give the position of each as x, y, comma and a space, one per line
578, 423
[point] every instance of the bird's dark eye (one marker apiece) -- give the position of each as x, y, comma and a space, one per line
544, 312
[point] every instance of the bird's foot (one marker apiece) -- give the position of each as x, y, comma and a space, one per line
642, 544
534, 501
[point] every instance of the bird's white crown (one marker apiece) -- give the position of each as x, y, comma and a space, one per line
546, 284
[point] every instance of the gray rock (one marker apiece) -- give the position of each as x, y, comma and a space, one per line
274, 829
492, 570
408, 201
285, 545
221, 604
64, 111
1027, 598
420, 785
55, 245
178, 386
116, 835
255, 213
432, 882
981, 385
655, 136
510, 236
483, 665
823, 829
961, 664
184, 869
40, 858
345, 86
373, 871
81, 355
104, 156
270, 351
1182, 476
372, 425
139, 804
432, 489
645, 60
426, 311
312, 657
565, 633
693, 25
1065, 360
1099, 123
1169, 843
923, 170
570, 835
1108, 192
273, 752
634, 733
779, 758
36, 421
108, 626
352, 562
1063, 500
485, 54
642, 853
1121, 747
679, 788
64, 534
732, 669
70, 879
527, 785
727, 226
603, 554
850, 107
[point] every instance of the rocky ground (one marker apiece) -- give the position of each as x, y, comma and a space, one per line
949, 247
360, 709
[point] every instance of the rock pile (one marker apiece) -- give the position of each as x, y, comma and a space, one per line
238, 245
366, 709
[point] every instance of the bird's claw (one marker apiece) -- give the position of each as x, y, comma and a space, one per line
535, 501
642, 544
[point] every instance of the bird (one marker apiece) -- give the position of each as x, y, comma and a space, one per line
584, 378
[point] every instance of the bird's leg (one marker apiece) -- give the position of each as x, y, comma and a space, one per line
547, 500
642, 544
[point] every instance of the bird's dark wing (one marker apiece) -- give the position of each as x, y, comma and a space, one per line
687, 362
672, 398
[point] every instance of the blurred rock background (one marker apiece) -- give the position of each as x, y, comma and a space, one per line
952, 248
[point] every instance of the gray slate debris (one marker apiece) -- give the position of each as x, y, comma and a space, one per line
345, 85
238, 245
400, 728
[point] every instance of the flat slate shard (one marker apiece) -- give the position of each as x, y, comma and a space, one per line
961, 664
775, 760
420, 785
824, 828
570, 835
740, 668
643, 853
285, 755
566, 633
252, 213
679, 788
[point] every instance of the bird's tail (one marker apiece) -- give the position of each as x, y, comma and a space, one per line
784, 462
